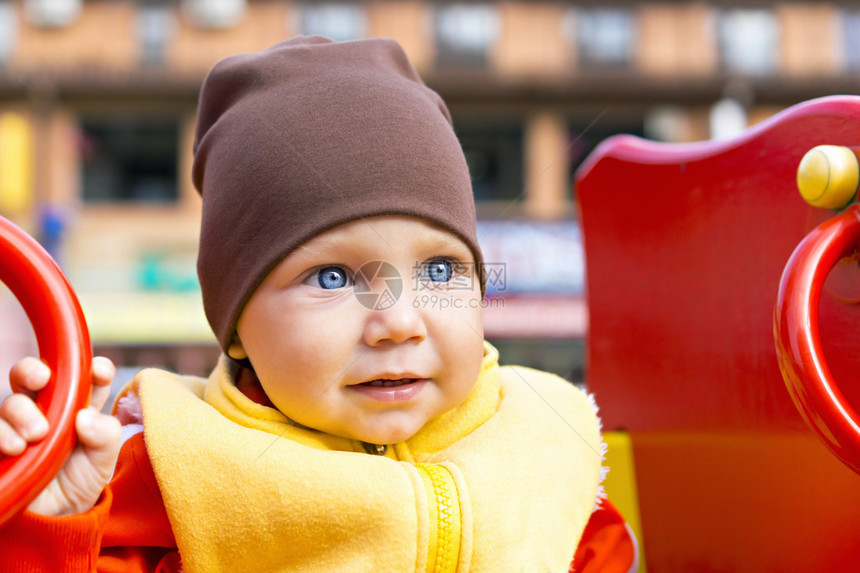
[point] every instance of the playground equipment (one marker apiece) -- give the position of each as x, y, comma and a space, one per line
64, 344
685, 248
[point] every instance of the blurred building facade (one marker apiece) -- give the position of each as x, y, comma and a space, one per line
97, 101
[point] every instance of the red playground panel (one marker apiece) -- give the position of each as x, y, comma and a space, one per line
685, 246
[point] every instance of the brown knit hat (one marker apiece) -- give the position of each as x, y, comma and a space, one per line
305, 136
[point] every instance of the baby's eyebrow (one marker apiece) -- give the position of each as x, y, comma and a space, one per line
317, 248
447, 241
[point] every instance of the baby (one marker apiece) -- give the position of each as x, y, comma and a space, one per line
348, 426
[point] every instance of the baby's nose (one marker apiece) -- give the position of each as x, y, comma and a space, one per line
397, 323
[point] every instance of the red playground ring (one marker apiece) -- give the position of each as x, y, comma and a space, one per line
64, 345
798, 345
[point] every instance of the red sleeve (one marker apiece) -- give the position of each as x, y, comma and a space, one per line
30, 542
127, 531
137, 537
607, 545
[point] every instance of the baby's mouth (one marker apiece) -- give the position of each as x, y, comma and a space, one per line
388, 383
392, 390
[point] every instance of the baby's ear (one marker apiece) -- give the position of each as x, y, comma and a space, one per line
235, 350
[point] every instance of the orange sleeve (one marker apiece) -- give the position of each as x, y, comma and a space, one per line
127, 531
607, 545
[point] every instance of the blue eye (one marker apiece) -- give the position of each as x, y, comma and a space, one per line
439, 270
332, 278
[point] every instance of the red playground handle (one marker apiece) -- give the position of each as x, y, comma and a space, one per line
64, 344
798, 345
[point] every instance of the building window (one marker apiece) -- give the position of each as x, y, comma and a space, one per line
338, 21
129, 158
214, 14
749, 40
587, 132
465, 34
604, 37
155, 27
8, 31
851, 35
494, 153
51, 13
563, 357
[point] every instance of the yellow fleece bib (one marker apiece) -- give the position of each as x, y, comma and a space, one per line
246, 490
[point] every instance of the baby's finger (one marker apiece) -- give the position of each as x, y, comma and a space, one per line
11, 444
103, 372
101, 437
29, 375
24, 419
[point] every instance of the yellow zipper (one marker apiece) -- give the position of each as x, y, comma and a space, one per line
443, 503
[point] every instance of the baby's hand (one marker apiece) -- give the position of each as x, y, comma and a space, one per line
77, 486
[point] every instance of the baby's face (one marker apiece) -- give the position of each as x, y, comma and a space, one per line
335, 353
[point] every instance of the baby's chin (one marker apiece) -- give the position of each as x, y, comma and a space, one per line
384, 437
389, 434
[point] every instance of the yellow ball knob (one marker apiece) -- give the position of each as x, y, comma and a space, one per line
828, 176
